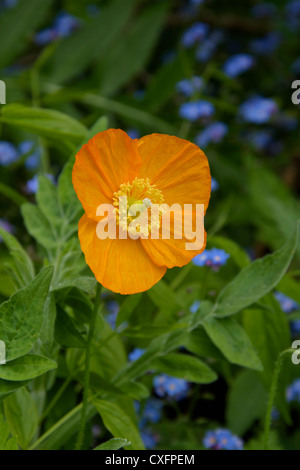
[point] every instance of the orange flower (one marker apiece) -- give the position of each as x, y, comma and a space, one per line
154, 169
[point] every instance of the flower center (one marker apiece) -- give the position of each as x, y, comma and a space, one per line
135, 201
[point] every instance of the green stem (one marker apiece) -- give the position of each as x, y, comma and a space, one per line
11, 194
272, 395
87, 368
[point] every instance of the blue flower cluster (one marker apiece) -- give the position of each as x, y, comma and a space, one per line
258, 110
237, 64
222, 439
194, 110
9, 154
189, 86
214, 258
293, 391
266, 45
150, 414
64, 25
170, 387
194, 34
213, 133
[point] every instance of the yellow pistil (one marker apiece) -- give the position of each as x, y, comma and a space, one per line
141, 196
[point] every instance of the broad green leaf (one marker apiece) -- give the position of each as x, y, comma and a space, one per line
233, 342
22, 416
119, 423
26, 367
256, 280
69, 202
47, 329
21, 316
131, 53
247, 402
6, 442
25, 18
185, 367
38, 226
22, 262
101, 125
51, 124
74, 54
164, 298
113, 444
66, 332
199, 343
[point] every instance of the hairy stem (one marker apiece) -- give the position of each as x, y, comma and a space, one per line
87, 368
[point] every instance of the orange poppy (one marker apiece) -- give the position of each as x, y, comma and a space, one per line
155, 169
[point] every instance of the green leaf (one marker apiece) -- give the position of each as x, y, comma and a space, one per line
119, 423
65, 331
199, 343
247, 402
23, 265
131, 53
74, 54
25, 18
256, 280
38, 226
26, 367
113, 444
127, 308
6, 443
164, 298
232, 341
69, 202
185, 367
22, 416
21, 316
7, 387
47, 199
53, 125
60, 434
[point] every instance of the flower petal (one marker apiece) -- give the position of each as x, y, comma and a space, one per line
109, 159
122, 266
178, 168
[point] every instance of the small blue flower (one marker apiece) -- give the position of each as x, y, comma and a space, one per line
286, 303
261, 140
266, 45
10, 3
195, 306
208, 47
214, 184
133, 134
194, 34
34, 155
32, 185
222, 439
293, 8
170, 387
65, 24
149, 439
293, 391
113, 309
215, 132
214, 258
238, 64
189, 87
8, 153
258, 110
275, 415
135, 354
45, 36
195, 110
153, 410
5, 225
